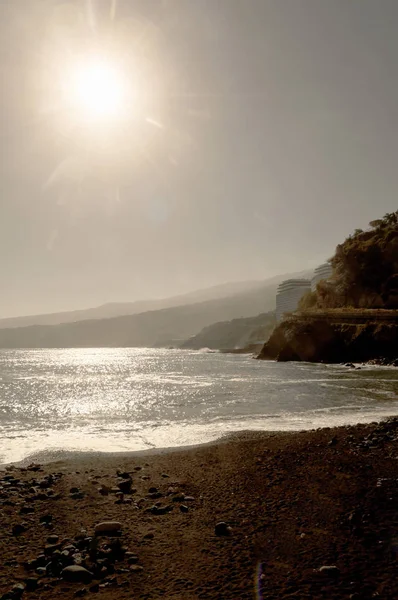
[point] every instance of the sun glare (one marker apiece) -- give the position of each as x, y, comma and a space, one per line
97, 90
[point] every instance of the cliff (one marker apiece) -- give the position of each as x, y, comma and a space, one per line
320, 340
235, 334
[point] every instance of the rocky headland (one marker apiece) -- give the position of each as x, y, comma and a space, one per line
322, 340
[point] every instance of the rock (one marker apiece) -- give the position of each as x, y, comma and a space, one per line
133, 559
46, 518
41, 560
178, 498
222, 529
153, 490
18, 528
154, 495
44, 483
76, 574
125, 485
184, 508
74, 490
27, 510
18, 590
53, 539
108, 528
332, 442
165, 475
189, 499
51, 548
104, 490
123, 474
77, 496
31, 584
41, 571
331, 570
136, 568
161, 510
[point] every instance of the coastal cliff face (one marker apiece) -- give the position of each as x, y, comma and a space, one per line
318, 340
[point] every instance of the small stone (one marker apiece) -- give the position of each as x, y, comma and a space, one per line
74, 490
77, 496
18, 590
18, 528
44, 484
76, 574
52, 539
154, 495
133, 559
153, 490
165, 475
222, 529
178, 498
136, 568
27, 510
184, 508
51, 548
108, 528
41, 571
31, 584
189, 499
46, 519
330, 570
125, 485
161, 510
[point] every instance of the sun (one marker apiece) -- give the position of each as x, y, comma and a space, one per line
97, 90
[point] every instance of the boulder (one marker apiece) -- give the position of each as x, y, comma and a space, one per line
108, 528
222, 529
76, 574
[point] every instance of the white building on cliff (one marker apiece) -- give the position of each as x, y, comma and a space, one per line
322, 272
289, 294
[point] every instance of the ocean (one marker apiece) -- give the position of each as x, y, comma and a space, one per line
118, 400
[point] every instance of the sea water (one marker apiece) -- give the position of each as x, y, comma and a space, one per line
111, 399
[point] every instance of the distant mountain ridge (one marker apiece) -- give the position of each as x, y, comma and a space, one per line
118, 309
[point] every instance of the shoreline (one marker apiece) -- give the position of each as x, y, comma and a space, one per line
294, 502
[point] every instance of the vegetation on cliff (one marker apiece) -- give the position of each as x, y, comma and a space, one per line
365, 270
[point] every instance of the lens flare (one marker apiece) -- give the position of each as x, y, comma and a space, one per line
96, 90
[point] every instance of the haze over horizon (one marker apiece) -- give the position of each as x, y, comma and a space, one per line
248, 140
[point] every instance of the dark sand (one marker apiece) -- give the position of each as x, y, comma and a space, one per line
295, 502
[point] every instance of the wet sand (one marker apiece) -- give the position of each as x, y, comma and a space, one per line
292, 503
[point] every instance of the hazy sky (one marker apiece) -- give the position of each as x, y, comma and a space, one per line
260, 134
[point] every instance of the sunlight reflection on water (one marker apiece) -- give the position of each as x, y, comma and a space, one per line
131, 399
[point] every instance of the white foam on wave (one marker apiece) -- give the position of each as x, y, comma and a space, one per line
171, 435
